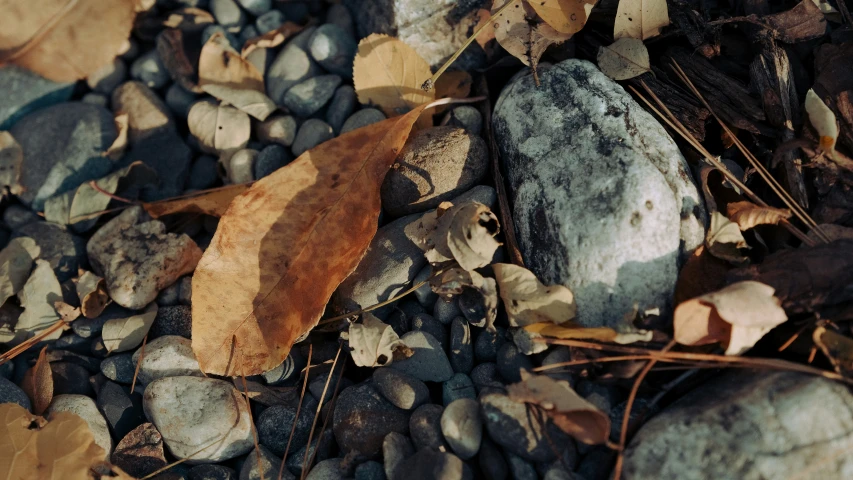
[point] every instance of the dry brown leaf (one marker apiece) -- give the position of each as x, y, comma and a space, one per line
220, 64
374, 344
388, 73
822, 119
285, 245
465, 233
571, 330
565, 16
748, 215
209, 202
640, 19
92, 292
170, 47
253, 102
528, 301
16, 262
219, 128
456, 84
488, 34
11, 160
739, 315
128, 331
38, 383
702, 273
803, 22
33, 448
625, 58
724, 240
523, 34
64, 40
481, 290
116, 150
837, 348
271, 39
567, 409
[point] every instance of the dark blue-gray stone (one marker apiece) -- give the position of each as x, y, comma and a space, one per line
25, 92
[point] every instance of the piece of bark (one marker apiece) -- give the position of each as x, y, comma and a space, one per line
803, 22
695, 28
683, 106
728, 97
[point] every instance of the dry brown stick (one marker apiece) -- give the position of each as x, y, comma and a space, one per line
332, 410
138, 363
298, 409
317, 413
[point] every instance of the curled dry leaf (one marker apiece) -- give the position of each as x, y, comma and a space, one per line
253, 102
11, 160
837, 348
219, 128
724, 240
565, 16
822, 119
116, 150
16, 262
92, 292
220, 64
640, 19
570, 330
523, 34
388, 73
37, 297
737, 315
465, 233
38, 383
625, 58
285, 245
748, 215
271, 39
212, 202
64, 41
127, 331
528, 301
31, 447
568, 410
480, 291
374, 344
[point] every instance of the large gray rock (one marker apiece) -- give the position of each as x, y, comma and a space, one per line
603, 200
25, 92
436, 29
751, 424
63, 147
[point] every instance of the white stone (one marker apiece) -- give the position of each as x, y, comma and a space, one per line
166, 356
195, 414
85, 408
603, 200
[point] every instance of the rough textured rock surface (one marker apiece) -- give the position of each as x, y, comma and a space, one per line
603, 200
138, 258
750, 424
363, 418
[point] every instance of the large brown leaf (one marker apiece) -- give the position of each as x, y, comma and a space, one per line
63, 40
283, 247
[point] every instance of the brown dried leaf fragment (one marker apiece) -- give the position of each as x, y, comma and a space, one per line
524, 34
724, 240
116, 150
16, 262
213, 202
373, 343
803, 22
565, 16
92, 292
837, 348
38, 383
748, 215
528, 301
567, 409
465, 233
570, 330
479, 290
271, 39
220, 64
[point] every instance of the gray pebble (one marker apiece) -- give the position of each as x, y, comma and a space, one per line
559, 354
339, 15
16, 216
89, 327
597, 463
98, 99
487, 379
341, 107
461, 348
121, 409
465, 116
411, 307
246, 33
462, 428
240, 168
119, 368
85, 408
274, 425
363, 418
289, 368
59, 247
213, 29
568, 459
296, 11
323, 447
92, 365
69, 378
425, 427
228, 14
73, 343
510, 425
203, 173
108, 77
488, 343
252, 469
269, 21
362, 118
398, 321
312, 133
179, 100
256, 7
520, 468
526, 341
429, 362
492, 462
459, 386
396, 448
423, 322
329, 469
429, 464
424, 294
602, 396
334, 49
167, 356
149, 69
510, 363
318, 385
212, 472
402, 390
11, 393
280, 129
175, 320
292, 65
271, 158
445, 310
370, 470
309, 96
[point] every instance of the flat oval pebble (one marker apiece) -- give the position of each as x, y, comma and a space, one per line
194, 413
445, 310
269, 465
11, 393
340, 108
362, 118
334, 49
292, 65
203, 173
462, 427
363, 418
268, 22
149, 69
461, 349
277, 128
140, 452
270, 159
396, 448
312, 133
330, 469
147, 114
169, 356
307, 97
227, 13
459, 386
119, 368
429, 362
276, 422
425, 427
402, 390
424, 322
510, 363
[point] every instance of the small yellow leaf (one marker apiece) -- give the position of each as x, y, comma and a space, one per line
640, 19
623, 59
822, 119
573, 331
565, 16
523, 34
528, 301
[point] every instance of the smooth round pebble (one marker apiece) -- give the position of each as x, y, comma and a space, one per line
462, 427
180, 100
492, 461
85, 408
168, 356
396, 448
149, 69
212, 472
309, 96
430, 464
467, 117
559, 354
275, 423
486, 378
402, 390
334, 49
445, 310
246, 33
459, 386
270, 159
526, 341
203, 173
423, 322
510, 363
292, 66
269, 465
370, 470
424, 294
227, 14
362, 118
318, 386
338, 14
488, 343
119, 368
269, 21
329, 469
69, 378
510, 425
16, 216
11, 393
461, 350
174, 320
341, 107
363, 418
277, 128
121, 409
108, 77
140, 452
240, 168
312, 133
292, 365
398, 321
98, 99
212, 30
425, 427
429, 362
256, 7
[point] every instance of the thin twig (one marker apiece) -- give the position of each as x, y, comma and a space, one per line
317, 413
298, 409
138, 363
331, 408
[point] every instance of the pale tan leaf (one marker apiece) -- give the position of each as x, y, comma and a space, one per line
37, 297
219, 128
18, 455
220, 64
38, 383
749, 310
465, 233
285, 245
212, 202
822, 119
565, 16
570, 330
116, 150
64, 40
126, 333
11, 160
528, 301
640, 19
271, 39
724, 240
623, 59
253, 102
523, 34
374, 344
67, 312
388, 73
16, 261
748, 215
92, 292
568, 410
